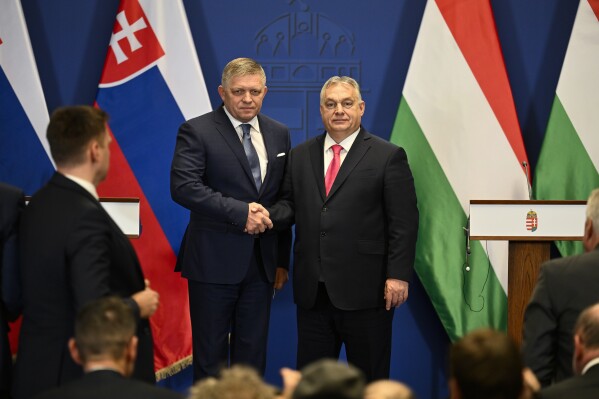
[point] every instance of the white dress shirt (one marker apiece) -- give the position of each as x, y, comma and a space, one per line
88, 186
257, 140
328, 152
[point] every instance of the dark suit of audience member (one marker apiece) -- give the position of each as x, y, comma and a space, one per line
355, 244
71, 253
11, 205
231, 274
585, 361
105, 345
564, 288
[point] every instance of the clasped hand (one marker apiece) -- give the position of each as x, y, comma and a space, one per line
258, 219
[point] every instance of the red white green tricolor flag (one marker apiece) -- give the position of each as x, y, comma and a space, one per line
458, 124
569, 159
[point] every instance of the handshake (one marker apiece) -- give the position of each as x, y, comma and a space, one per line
258, 219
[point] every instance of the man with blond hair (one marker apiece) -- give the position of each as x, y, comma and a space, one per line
237, 382
564, 288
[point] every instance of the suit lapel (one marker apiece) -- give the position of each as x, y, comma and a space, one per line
226, 129
269, 143
353, 157
316, 151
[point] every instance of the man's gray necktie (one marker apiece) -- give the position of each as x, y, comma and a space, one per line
252, 155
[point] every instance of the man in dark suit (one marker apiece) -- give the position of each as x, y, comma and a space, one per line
585, 383
71, 253
564, 288
225, 162
11, 204
105, 345
353, 200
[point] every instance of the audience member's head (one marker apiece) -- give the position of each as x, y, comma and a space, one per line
388, 389
105, 336
238, 382
586, 338
78, 138
591, 227
329, 379
485, 364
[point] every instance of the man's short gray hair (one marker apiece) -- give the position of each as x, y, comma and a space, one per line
593, 209
337, 80
242, 67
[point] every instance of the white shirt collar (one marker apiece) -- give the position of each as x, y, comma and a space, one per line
346, 143
590, 364
236, 123
88, 186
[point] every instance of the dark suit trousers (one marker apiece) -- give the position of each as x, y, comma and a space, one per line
239, 309
366, 334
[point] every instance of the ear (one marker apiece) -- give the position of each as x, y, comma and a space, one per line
221, 92
132, 348
362, 106
588, 238
454, 389
578, 356
130, 356
94, 150
75, 352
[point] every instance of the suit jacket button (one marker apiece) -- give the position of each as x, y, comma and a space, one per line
323, 234
324, 209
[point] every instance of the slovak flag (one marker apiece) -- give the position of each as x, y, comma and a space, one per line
151, 83
25, 159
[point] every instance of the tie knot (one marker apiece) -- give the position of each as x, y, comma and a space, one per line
246, 127
336, 149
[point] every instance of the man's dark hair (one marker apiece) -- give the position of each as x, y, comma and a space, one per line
486, 364
104, 328
71, 129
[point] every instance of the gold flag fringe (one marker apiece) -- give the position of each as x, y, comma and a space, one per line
173, 368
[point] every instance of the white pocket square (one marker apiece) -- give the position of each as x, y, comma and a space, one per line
282, 154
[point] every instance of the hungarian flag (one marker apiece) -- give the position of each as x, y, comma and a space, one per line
151, 83
458, 124
569, 161
24, 151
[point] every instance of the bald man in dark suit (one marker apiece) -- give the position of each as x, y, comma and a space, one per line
564, 288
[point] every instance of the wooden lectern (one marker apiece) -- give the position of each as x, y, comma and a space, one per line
529, 226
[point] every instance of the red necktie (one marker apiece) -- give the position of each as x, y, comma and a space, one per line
333, 168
